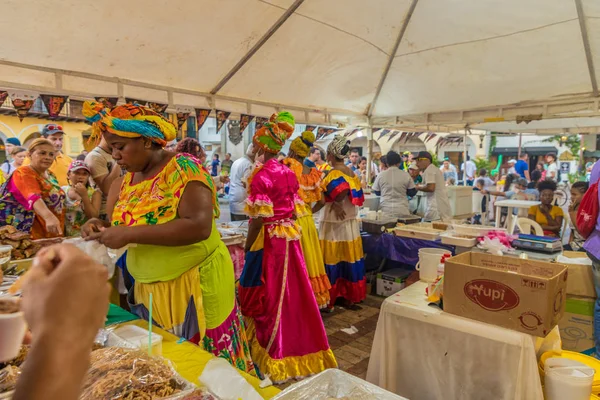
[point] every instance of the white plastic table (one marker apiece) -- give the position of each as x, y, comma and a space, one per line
512, 204
421, 352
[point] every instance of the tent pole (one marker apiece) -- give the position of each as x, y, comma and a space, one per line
520, 144
465, 158
369, 150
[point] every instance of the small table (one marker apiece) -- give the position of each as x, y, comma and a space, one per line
512, 204
421, 352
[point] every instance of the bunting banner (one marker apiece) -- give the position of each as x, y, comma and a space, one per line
3, 96
22, 101
54, 104
235, 133
321, 131
330, 131
109, 102
182, 119
158, 108
245, 120
129, 100
431, 136
352, 132
393, 135
260, 121
384, 133
221, 118
201, 116
403, 136
311, 128
76, 109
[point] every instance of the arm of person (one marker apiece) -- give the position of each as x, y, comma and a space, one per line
411, 189
91, 207
527, 176
52, 223
554, 224
318, 205
377, 186
254, 228
104, 182
428, 187
194, 224
494, 193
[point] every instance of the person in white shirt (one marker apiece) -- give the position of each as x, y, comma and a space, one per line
552, 168
103, 171
438, 205
469, 170
394, 186
240, 169
511, 169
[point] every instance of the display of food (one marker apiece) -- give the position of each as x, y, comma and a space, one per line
200, 394
117, 373
8, 378
9, 305
21, 243
17, 361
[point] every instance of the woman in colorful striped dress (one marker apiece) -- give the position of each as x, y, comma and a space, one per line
310, 192
339, 233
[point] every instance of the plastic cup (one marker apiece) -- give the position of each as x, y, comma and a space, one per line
13, 328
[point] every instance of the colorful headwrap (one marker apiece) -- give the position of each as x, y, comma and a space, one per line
302, 144
338, 147
129, 121
272, 135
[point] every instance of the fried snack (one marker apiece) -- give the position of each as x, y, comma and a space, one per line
7, 229
8, 378
13, 243
122, 374
17, 236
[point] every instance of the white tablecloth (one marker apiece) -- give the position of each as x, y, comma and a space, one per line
420, 352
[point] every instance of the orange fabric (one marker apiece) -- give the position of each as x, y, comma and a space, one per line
59, 167
310, 184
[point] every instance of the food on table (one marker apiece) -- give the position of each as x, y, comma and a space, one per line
19, 359
199, 394
22, 244
8, 378
117, 373
9, 305
7, 229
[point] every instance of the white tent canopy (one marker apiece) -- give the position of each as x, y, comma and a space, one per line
397, 61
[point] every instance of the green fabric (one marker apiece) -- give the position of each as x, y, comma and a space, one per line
581, 307
116, 315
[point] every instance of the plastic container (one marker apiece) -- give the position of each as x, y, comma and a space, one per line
567, 379
12, 328
442, 264
571, 355
135, 337
429, 260
449, 238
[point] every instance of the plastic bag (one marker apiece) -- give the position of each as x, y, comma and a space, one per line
226, 382
335, 384
97, 251
117, 373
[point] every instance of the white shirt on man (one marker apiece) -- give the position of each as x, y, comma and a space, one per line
237, 191
438, 205
469, 170
393, 184
552, 172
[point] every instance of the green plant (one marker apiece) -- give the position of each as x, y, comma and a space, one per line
493, 142
434, 159
576, 177
482, 163
573, 143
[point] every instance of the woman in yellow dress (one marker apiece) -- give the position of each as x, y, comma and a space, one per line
165, 206
310, 192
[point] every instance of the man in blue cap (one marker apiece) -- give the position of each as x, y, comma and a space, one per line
55, 134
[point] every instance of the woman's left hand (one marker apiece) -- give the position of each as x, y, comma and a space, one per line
113, 237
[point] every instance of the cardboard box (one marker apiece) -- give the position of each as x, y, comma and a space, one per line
577, 325
581, 281
525, 295
392, 281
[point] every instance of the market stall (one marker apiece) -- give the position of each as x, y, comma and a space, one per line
421, 352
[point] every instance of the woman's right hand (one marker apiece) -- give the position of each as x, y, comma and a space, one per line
338, 210
92, 226
53, 225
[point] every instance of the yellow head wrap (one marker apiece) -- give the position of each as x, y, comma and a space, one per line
302, 144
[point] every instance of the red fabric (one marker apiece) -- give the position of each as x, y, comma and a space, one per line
338, 189
352, 291
587, 215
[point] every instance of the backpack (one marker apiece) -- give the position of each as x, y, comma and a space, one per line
587, 214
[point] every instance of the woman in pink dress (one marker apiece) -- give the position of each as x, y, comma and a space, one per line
286, 333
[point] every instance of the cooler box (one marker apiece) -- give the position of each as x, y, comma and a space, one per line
392, 281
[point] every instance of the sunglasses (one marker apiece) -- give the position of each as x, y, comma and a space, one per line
422, 159
53, 127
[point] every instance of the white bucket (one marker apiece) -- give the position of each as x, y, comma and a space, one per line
429, 260
567, 379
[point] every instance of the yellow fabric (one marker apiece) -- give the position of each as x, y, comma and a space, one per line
189, 360
335, 252
257, 210
313, 257
540, 218
2, 179
59, 167
206, 283
259, 243
281, 370
353, 180
310, 184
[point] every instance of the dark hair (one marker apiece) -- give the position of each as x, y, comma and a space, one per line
216, 155
81, 157
482, 172
536, 175
510, 178
322, 153
393, 158
354, 151
547, 184
363, 158
468, 157
551, 155
313, 150
188, 145
581, 187
480, 181
383, 161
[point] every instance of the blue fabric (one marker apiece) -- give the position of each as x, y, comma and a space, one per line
352, 272
214, 164
252, 272
520, 167
309, 163
396, 248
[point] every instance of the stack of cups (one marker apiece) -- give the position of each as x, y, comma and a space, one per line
567, 379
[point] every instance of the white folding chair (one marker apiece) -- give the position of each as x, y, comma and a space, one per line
525, 225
